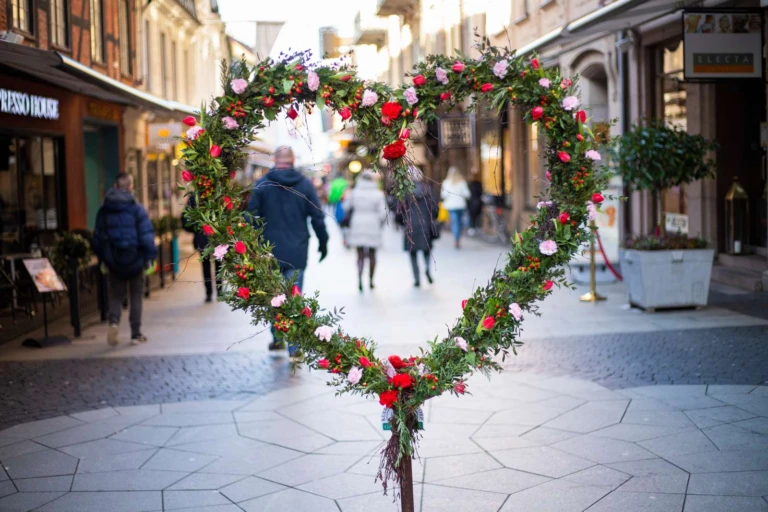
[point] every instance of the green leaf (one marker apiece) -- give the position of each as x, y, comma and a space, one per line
567, 231
341, 93
471, 358
320, 100
270, 114
287, 84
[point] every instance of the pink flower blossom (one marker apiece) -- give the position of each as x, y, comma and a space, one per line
441, 75
238, 85
229, 123
545, 83
548, 247
565, 83
220, 251
592, 155
369, 98
461, 343
516, 311
591, 210
500, 68
278, 300
313, 81
194, 132
324, 332
389, 369
420, 368
410, 96
355, 374
543, 204
570, 102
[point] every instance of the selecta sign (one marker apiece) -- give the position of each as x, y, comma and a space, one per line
722, 44
23, 104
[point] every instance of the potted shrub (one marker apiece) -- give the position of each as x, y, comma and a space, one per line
664, 271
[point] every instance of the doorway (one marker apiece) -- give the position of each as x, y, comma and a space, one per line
102, 165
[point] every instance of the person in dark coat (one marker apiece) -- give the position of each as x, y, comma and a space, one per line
124, 241
284, 199
200, 242
420, 226
475, 204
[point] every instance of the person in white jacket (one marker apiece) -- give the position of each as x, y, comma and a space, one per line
455, 193
367, 211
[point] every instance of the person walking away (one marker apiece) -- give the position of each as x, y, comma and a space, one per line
336, 190
420, 227
475, 205
366, 210
284, 199
455, 194
200, 243
124, 241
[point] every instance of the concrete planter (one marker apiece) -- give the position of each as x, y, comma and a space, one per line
667, 279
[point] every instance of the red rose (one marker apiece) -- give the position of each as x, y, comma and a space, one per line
240, 247
548, 285
564, 217
405, 134
299, 67
244, 293
548, 174
460, 387
402, 381
207, 230
581, 116
292, 113
395, 150
365, 362
215, 151
396, 362
579, 137
324, 363
537, 113
307, 312
445, 96
564, 157
391, 109
187, 176
486, 88
419, 80
464, 303
346, 78
387, 398
295, 290
488, 323
269, 101
597, 198
345, 113
535, 63
228, 203
189, 121
458, 67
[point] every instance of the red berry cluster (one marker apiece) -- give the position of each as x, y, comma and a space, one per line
534, 263
242, 271
431, 378
205, 186
501, 312
236, 110
326, 94
297, 85
579, 178
283, 324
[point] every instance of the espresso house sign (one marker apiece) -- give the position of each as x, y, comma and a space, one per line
23, 104
722, 44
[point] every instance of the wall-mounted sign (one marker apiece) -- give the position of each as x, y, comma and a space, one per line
103, 111
676, 223
162, 136
457, 132
722, 44
23, 104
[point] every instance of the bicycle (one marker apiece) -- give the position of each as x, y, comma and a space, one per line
493, 228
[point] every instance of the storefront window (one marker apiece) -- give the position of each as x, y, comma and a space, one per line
532, 164
671, 106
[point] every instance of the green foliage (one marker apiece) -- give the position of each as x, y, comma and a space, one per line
657, 156
664, 243
69, 249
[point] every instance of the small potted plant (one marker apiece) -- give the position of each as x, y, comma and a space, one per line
664, 271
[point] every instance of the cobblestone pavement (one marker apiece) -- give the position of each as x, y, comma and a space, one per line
525, 442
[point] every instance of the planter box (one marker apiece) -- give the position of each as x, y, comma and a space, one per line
667, 279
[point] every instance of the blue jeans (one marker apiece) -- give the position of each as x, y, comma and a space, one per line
288, 275
456, 224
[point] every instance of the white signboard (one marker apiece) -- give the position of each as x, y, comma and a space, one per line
722, 44
607, 222
45, 277
676, 223
23, 104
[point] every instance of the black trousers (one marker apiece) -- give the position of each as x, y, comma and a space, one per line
209, 279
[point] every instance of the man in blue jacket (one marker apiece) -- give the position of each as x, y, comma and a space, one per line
124, 241
285, 199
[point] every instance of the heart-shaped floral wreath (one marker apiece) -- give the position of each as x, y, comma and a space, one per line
492, 316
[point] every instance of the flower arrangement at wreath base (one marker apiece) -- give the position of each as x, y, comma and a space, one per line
488, 325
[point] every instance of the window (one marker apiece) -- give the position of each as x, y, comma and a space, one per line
164, 65
173, 72
21, 11
124, 19
97, 31
519, 10
59, 23
147, 61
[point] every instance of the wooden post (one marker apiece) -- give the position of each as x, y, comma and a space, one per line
406, 490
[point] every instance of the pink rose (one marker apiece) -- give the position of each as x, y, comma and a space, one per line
238, 85
543, 204
369, 98
278, 300
500, 68
592, 155
194, 132
516, 311
441, 75
570, 103
591, 210
548, 247
461, 343
324, 332
565, 83
313, 81
220, 251
355, 374
545, 83
229, 123
410, 96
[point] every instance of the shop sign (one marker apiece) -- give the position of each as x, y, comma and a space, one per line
102, 111
23, 104
722, 44
163, 136
457, 132
676, 223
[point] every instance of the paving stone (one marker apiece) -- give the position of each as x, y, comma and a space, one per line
112, 501
254, 416
342, 486
138, 410
45, 484
637, 501
759, 425
205, 433
544, 461
129, 480
336, 426
376, 501
351, 448
102, 447
756, 404
679, 444
251, 487
448, 499
153, 436
95, 415
204, 481
500, 431
652, 467
600, 476
40, 428
668, 484
746, 483
202, 406
369, 466
711, 462
253, 462
719, 389
731, 437
309, 468
658, 418
590, 416
528, 414
634, 433
504, 443
174, 460
547, 436
445, 439
602, 450
3, 474
440, 468
289, 499
173, 500
725, 503
502, 480
224, 447
285, 433
190, 419
114, 462
214, 508
20, 448
704, 418
555, 496
39, 464
26, 501
7, 487
77, 435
